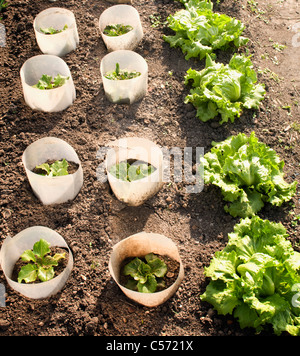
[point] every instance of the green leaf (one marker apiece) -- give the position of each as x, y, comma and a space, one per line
149, 286
28, 273
28, 256
41, 248
45, 274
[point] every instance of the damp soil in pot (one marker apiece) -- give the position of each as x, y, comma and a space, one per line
149, 274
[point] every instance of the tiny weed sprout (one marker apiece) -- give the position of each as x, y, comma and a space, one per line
145, 277
56, 169
119, 74
52, 31
131, 172
46, 82
117, 30
41, 263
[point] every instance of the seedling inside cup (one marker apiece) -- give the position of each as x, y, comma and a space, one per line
130, 172
124, 74
46, 82
145, 276
53, 31
56, 168
117, 30
41, 263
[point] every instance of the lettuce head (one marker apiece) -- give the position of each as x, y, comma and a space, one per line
256, 277
249, 174
224, 90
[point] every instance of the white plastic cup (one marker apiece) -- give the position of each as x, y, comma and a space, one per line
52, 190
126, 15
124, 91
139, 245
51, 100
135, 193
13, 248
61, 43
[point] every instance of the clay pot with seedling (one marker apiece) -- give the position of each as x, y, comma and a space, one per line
121, 27
37, 262
47, 84
147, 268
125, 76
56, 31
53, 170
134, 169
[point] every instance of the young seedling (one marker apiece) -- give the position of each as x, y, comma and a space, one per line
52, 31
117, 30
119, 74
131, 172
41, 263
56, 169
46, 82
145, 277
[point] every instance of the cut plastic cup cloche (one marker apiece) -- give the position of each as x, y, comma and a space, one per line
129, 28
13, 248
52, 189
56, 31
41, 70
139, 151
125, 91
139, 245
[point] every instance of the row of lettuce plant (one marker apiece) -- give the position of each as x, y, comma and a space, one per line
256, 276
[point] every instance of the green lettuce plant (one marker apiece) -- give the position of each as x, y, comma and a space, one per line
256, 277
249, 174
200, 30
131, 172
46, 82
145, 277
224, 90
41, 264
55, 169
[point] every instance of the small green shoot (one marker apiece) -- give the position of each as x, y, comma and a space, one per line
56, 169
117, 30
146, 276
52, 31
124, 74
46, 82
41, 264
131, 172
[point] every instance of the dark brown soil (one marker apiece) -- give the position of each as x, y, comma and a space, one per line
91, 303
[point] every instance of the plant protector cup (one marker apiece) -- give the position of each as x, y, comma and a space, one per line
124, 91
52, 190
125, 15
51, 100
61, 43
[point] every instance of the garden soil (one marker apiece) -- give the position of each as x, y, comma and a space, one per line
91, 303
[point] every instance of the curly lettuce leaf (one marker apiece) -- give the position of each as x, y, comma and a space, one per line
254, 277
199, 30
224, 89
249, 174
